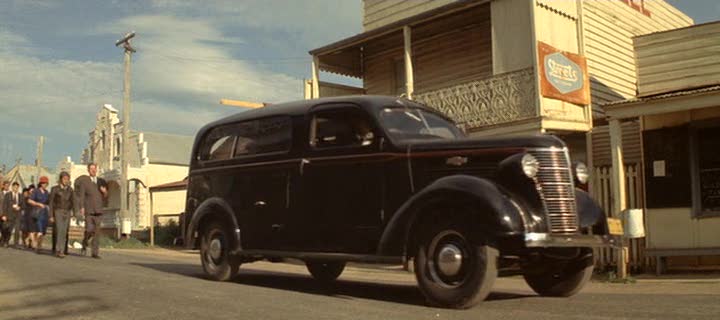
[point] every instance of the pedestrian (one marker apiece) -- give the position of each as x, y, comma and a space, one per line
40, 200
89, 194
4, 189
61, 207
29, 217
12, 203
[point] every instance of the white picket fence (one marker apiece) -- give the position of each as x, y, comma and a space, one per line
602, 192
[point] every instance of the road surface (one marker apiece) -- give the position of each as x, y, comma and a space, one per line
165, 284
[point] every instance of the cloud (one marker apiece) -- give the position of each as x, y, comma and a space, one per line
190, 54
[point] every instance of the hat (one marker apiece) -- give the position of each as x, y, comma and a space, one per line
44, 179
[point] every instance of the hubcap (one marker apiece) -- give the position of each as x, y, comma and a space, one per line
449, 260
215, 249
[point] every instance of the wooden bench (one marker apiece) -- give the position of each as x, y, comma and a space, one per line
661, 254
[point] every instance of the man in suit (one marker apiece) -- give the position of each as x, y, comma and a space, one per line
12, 209
4, 189
89, 193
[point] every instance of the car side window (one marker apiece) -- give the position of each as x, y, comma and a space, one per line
218, 144
345, 127
264, 136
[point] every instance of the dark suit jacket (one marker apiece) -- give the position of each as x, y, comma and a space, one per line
88, 196
7, 205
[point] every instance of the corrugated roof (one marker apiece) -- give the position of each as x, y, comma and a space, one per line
166, 148
663, 96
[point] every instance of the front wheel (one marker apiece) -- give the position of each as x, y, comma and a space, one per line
215, 255
325, 271
559, 277
455, 268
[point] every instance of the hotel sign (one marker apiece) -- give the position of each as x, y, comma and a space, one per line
563, 75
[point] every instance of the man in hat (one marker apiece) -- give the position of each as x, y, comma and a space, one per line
89, 194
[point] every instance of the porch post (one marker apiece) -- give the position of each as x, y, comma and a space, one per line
315, 77
152, 221
618, 188
409, 82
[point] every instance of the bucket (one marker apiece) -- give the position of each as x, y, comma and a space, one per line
634, 223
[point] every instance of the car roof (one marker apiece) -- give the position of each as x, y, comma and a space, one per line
301, 107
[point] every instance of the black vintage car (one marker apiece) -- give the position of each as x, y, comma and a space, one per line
383, 180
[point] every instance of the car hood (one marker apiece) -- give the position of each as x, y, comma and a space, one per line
537, 141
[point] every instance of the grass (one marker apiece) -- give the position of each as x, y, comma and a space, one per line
611, 277
129, 243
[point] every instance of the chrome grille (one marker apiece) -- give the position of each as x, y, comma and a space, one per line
556, 186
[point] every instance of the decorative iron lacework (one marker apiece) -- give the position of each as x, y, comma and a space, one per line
495, 100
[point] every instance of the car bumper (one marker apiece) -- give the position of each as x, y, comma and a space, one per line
540, 240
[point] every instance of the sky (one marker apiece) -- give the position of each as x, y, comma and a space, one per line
59, 64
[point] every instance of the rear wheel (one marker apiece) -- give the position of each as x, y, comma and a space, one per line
558, 277
454, 267
326, 271
215, 255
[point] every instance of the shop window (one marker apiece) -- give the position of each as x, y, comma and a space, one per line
705, 143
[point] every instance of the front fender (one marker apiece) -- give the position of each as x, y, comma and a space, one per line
590, 214
502, 216
219, 208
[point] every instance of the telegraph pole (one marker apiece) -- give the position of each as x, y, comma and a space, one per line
124, 166
38, 160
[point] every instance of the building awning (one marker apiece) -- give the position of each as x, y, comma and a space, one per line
345, 56
171, 186
677, 101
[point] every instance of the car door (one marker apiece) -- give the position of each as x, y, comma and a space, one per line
261, 176
340, 188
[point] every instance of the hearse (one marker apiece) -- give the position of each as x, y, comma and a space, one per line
387, 180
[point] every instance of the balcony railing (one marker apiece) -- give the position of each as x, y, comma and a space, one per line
499, 99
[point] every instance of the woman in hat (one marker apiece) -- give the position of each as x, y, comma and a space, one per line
40, 199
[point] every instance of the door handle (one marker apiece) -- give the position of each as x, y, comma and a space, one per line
303, 162
276, 227
260, 203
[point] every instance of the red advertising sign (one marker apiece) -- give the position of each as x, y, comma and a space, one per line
563, 75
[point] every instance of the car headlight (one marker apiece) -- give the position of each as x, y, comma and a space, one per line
582, 173
530, 165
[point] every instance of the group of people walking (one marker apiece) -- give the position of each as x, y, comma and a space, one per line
26, 215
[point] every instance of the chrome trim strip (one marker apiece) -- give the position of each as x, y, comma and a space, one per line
335, 256
541, 240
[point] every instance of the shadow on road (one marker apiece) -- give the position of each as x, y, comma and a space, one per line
342, 289
37, 305
45, 286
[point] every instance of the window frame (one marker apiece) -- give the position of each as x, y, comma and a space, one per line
697, 208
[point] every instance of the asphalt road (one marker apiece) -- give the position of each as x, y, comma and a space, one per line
164, 284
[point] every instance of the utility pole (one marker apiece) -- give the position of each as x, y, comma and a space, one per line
124, 167
38, 160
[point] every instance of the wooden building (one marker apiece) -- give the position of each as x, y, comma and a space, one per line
502, 66
678, 111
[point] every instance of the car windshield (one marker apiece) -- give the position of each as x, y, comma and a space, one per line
414, 123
